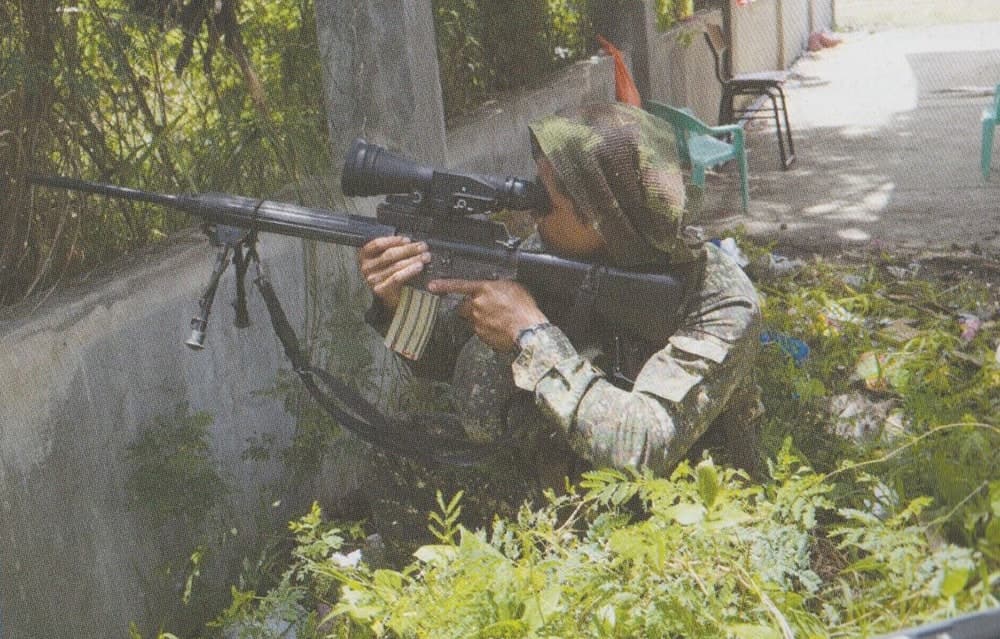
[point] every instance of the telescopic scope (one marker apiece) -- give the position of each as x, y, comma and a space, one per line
370, 169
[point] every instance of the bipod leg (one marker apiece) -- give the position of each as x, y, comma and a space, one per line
241, 260
229, 240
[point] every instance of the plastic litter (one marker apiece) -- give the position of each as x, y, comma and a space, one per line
729, 247
898, 331
822, 40
861, 419
793, 347
886, 501
881, 371
773, 266
970, 325
762, 268
854, 281
908, 272
834, 317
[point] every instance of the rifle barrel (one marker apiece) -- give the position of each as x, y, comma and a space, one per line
110, 190
244, 212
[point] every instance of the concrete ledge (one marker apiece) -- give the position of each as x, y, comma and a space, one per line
494, 138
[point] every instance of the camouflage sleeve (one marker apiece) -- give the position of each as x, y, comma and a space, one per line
680, 390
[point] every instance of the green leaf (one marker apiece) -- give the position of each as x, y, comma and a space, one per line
388, 579
436, 554
995, 497
729, 515
993, 532
954, 581
686, 514
708, 482
508, 628
753, 631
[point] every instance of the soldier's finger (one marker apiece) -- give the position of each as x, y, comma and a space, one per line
375, 247
401, 253
376, 260
461, 287
376, 275
397, 277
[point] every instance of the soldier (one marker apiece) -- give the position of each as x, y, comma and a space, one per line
618, 196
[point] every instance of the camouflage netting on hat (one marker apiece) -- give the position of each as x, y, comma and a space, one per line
619, 165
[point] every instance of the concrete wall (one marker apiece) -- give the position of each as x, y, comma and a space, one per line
83, 375
684, 68
822, 14
630, 25
380, 75
494, 139
793, 28
755, 45
772, 34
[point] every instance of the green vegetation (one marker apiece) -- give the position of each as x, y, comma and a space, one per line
175, 491
172, 477
669, 12
896, 525
137, 93
488, 47
215, 96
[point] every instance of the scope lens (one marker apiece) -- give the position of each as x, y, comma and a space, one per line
538, 198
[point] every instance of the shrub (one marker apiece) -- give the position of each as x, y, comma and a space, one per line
488, 47
868, 537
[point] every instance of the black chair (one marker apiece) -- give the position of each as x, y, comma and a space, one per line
766, 84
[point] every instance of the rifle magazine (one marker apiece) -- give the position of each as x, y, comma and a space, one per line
412, 322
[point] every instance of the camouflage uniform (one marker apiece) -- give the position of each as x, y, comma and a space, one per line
603, 398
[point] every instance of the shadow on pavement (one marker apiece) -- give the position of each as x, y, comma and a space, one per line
887, 137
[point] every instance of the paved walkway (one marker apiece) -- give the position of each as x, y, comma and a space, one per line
887, 139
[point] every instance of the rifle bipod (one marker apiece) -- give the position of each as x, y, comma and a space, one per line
236, 245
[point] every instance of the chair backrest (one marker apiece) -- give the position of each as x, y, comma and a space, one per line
996, 104
717, 43
684, 123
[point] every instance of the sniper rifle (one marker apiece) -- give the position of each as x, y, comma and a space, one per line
449, 212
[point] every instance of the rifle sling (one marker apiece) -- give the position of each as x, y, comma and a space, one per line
353, 412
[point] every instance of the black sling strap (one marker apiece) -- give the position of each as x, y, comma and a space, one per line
400, 436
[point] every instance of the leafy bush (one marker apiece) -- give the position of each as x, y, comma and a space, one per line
701, 554
488, 47
96, 95
891, 530
669, 12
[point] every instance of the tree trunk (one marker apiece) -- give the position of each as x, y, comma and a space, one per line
20, 255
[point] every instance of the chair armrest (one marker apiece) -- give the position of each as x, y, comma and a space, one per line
725, 129
735, 130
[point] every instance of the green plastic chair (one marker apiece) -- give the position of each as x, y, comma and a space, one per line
991, 117
700, 147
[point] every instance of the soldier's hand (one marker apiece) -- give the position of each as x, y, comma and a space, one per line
388, 263
497, 309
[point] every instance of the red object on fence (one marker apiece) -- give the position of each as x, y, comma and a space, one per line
625, 89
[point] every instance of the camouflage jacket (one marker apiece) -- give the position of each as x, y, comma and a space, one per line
603, 398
